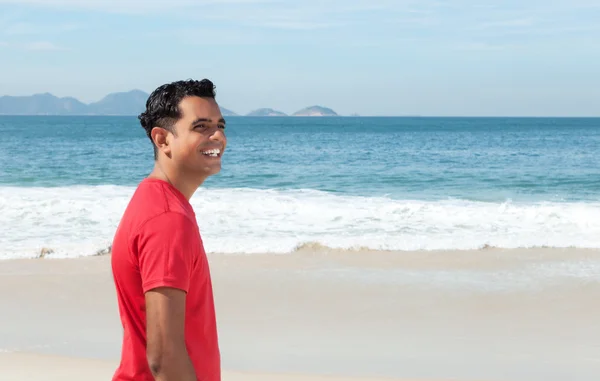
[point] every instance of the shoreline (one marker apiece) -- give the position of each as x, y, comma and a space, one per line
313, 248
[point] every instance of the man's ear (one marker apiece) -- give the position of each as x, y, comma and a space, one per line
160, 137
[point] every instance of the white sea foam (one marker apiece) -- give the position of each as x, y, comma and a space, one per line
81, 220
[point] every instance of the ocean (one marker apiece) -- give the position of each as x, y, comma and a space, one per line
289, 182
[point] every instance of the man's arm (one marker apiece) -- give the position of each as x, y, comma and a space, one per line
165, 321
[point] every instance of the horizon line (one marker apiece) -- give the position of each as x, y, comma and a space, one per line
335, 116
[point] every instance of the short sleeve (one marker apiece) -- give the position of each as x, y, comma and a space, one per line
166, 251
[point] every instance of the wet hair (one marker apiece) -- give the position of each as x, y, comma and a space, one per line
162, 106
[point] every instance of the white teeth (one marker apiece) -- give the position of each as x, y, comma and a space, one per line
212, 152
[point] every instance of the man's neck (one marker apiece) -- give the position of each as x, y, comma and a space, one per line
177, 180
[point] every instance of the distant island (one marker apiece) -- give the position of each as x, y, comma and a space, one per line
266, 112
119, 104
308, 111
315, 111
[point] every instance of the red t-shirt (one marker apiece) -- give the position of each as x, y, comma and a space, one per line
158, 244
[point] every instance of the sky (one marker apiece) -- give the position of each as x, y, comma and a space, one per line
371, 57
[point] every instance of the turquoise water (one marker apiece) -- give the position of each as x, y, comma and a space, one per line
433, 158
384, 183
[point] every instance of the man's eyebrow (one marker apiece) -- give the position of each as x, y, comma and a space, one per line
204, 120
200, 120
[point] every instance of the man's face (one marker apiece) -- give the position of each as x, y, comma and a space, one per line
200, 141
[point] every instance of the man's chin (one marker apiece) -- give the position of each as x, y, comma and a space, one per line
212, 170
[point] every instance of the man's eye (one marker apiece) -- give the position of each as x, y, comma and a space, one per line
222, 127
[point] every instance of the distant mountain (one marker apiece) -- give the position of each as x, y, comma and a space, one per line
315, 111
123, 103
129, 103
226, 112
266, 112
41, 104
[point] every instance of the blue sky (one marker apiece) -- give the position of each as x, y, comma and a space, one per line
372, 57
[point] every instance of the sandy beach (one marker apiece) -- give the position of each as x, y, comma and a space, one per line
18, 366
449, 315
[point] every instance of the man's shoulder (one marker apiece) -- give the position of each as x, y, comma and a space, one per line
157, 202
167, 221
153, 197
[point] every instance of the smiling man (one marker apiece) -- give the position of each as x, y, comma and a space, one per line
159, 265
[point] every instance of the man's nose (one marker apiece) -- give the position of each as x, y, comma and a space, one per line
218, 135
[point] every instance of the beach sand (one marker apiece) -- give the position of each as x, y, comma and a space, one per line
28, 366
449, 315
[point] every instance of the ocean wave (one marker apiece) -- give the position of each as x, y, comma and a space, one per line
81, 220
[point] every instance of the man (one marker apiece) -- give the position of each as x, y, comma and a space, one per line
159, 265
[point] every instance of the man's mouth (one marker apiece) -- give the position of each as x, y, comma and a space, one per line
212, 152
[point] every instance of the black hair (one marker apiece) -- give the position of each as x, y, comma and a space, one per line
162, 106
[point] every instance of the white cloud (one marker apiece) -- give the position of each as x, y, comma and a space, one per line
25, 29
42, 46
312, 14
127, 6
481, 47
32, 46
450, 17
508, 23
315, 7
20, 29
220, 37
297, 25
